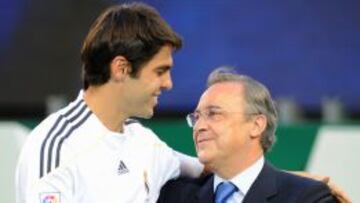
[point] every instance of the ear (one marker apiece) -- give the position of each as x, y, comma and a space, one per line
119, 68
258, 125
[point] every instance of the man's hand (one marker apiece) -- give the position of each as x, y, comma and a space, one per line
335, 190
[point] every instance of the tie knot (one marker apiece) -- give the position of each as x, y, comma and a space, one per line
223, 191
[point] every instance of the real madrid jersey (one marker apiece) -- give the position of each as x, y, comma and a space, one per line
72, 157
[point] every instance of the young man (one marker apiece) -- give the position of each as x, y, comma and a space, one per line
91, 151
233, 127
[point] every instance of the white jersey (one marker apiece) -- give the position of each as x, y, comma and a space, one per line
72, 157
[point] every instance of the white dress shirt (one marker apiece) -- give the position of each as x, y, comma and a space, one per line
243, 181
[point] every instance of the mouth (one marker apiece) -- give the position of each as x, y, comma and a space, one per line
203, 140
155, 101
157, 93
156, 98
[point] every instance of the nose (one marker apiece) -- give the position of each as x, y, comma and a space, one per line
167, 83
200, 125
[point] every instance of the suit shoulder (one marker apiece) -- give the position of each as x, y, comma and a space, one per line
182, 189
308, 190
288, 179
187, 182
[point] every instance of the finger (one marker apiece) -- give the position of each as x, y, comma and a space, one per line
325, 179
339, 193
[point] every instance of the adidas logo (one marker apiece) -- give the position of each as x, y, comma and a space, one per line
122, 168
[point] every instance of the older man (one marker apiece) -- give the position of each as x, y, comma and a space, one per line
233, 127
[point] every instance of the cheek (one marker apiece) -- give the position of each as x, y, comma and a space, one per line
229, 139
213, 150
148, 90
151, 83
143, 91
221, 136
240, 139
205, 146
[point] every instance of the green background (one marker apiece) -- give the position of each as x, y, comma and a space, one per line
291, 150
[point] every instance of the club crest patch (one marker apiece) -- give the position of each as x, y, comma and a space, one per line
50, 197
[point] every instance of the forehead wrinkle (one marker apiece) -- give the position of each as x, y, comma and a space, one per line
208, 107
225, 94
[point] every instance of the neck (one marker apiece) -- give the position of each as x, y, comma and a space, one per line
102, 101
235, 165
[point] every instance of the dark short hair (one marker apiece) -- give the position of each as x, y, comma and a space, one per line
135, 31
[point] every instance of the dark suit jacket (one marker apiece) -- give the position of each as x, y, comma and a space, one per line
271, 186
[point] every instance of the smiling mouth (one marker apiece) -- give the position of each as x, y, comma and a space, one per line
156, 99
203, 140
157, 94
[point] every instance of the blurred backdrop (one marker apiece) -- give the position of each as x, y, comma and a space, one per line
306, 52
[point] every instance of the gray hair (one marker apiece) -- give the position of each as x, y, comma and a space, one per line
257, 97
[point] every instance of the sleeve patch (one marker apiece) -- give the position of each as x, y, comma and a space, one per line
50, 197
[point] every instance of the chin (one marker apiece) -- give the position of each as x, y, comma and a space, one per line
203, 157
146, 115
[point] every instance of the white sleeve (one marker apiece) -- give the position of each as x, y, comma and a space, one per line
57, 186
189, 166
168, 163
27, 168
176, 164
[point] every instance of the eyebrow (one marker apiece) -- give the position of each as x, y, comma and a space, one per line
211, 107
164, 68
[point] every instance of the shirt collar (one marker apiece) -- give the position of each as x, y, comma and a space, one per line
245, 179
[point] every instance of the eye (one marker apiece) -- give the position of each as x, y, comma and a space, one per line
196, 116
161, 71
213, 114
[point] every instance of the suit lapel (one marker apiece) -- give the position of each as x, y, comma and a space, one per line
264, 186
206, 192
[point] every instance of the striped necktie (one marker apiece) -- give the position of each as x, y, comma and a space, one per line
223, 191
